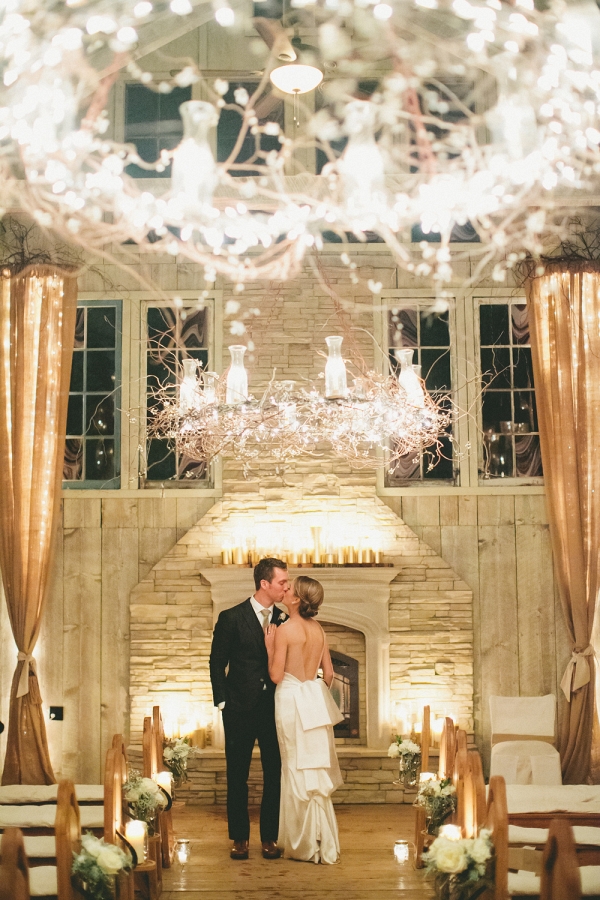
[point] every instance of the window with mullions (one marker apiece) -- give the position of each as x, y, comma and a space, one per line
92, 448
412, 326
153, 123
173, 334
511, 442
268, 108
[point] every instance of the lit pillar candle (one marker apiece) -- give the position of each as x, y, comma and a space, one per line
340, 556
292, 558
350, 555
238, 556
226, 556
135, 832
163, 780
359, 556
305, 558
367, 556
378, 557
199, 737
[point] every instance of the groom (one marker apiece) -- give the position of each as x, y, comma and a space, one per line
246, 695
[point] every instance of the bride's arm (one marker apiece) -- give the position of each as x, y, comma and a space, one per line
276, 642
327, 665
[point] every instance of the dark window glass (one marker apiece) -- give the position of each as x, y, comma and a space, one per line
153, 123
511, 447
93, 428
173, 335
268, 108
429, 336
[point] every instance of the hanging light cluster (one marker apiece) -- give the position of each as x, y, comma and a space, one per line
487, 113
207, 416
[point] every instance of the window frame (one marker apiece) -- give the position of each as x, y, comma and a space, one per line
213, 306
466, 375
113, 483
489, 298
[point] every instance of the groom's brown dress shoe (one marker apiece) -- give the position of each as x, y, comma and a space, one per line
270, 850
239, 850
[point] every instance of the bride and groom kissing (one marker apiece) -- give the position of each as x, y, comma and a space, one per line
263, 668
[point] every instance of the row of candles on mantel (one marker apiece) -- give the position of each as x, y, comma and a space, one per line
339, 556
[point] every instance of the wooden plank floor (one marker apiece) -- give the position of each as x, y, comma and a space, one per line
367, 870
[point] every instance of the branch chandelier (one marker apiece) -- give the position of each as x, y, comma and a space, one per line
504, 156
212, 416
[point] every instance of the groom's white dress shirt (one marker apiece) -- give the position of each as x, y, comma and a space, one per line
258, 609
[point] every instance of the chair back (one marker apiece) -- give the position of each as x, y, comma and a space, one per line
113, 801
523, 718
150, 762
425, 739
560, 871
68, 838
14, 869
447, 749
496, 821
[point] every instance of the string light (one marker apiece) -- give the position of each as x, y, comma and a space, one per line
438, 144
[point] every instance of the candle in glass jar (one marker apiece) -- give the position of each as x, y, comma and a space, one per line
135, 832
199, 738
163, 780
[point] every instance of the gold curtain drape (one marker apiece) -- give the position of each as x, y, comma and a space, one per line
37, 325
564, 306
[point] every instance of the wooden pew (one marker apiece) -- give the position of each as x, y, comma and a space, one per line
14, 870
167, 834
447, 756
144, 875
68, 840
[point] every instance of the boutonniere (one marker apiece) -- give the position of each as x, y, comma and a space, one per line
282, 618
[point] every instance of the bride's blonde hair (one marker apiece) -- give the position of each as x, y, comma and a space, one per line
310, 593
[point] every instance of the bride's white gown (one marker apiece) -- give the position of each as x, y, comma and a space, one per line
305, 713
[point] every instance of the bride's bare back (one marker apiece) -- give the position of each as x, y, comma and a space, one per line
305, 643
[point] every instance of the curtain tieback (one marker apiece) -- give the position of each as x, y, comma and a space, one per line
27, 660
577, 673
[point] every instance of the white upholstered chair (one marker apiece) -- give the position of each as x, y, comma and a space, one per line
523, 735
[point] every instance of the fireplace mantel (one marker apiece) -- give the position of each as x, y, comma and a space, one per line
357, 597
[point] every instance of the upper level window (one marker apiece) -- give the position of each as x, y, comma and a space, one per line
412, 325
92, 449
268, 108
153, 123
511, 442
173, 334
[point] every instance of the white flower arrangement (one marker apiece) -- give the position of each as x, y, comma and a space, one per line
175, 758
400, 747
461, 867
96, 865
144, 797
409, 755
438, 796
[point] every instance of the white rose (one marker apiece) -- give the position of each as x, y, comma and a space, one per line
149, 786
110, 860
480, 850
132, 794
450, 856
91, 845
393, 750
168, 753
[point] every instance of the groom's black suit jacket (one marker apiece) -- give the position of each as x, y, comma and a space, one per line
239, 642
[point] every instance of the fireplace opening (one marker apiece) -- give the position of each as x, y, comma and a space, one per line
344, 689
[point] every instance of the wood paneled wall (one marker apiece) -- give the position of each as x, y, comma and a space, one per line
500, 545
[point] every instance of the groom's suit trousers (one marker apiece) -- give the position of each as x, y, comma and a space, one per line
242, 729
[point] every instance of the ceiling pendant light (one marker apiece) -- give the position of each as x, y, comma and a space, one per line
296, 78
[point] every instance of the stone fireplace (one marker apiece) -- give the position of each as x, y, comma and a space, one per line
411, 618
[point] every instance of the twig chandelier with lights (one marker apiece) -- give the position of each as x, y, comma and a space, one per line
372, 424
480, 111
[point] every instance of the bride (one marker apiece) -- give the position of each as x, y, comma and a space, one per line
305, 714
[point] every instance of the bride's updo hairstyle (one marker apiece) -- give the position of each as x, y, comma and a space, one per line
310, 594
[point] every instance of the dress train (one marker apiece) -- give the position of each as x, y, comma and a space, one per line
305, 714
